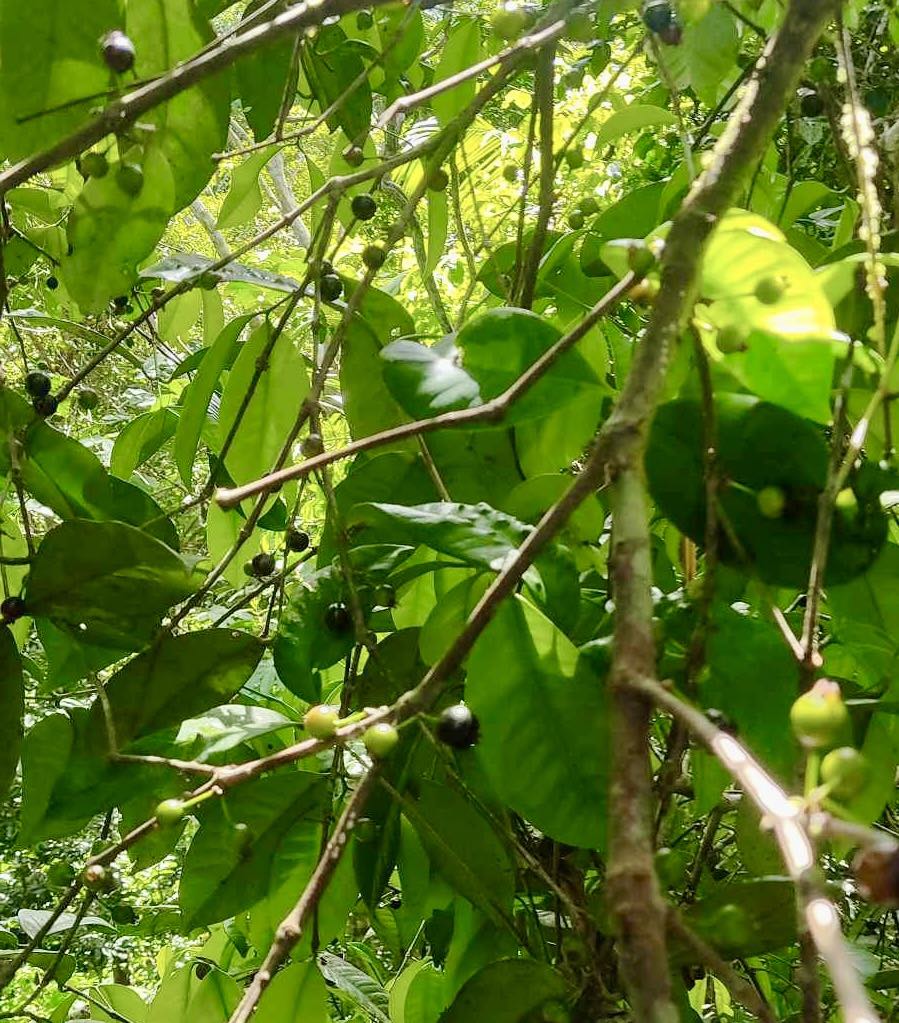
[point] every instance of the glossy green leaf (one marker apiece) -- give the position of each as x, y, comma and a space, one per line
273, 408
106, 582
244, 198
184, 996
363, 990
141, 439
506, 992
12, 706
49, 55
743, 918
110, 231
193, 125
461, 50
263, 80
221, 876
534, 695
428, 381
332, 63
199, 393
297, 992
464, 848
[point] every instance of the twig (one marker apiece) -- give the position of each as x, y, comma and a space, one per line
292, 927
492, 411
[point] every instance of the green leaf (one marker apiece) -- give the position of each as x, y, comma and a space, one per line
297, 992
12, 706
506, 992
106, 582
428, 381
244, 198
189, 265
45, 753
332, 63
221, 877
707, 57
176, 679
461, 49
362, 989
193, 125
183, 997
68, 478
141, 439
49, 56
630, 119
263, 80
206, 736
273, 408
110, 231
199, 393
438, 224
304, 643
463, 846
544, 729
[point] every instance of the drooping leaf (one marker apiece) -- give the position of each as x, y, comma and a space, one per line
12, 706
106, 582
141, 439
506, 991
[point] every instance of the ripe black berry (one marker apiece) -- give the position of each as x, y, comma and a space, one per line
363, 206
52, 282
373, 256
120, 302
297, 540
672, 35
330, 287
46, 405
118, 51
811, 105
263, 564
37, 384
458, 727
657, 15
12, 609
312, 445
354, 156
338, 618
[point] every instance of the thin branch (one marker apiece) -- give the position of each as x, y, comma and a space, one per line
493, 411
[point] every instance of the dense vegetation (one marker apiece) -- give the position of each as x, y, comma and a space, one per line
448, 546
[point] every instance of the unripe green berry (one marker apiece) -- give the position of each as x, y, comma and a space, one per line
321, 721
380, 739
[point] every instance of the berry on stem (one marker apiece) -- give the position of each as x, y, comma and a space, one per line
46, 405
380, 739
845, 771
12, 609
374, 256
297, 540
96, 877
169, 813
458, 727
438, 180
771, 502
330, 287
819, 717
321, 721
94, 165
52, 282
130, 178
354, 156
263, 564
88, 398
363, 206
37, 384
338, 618
312, 445
118, 51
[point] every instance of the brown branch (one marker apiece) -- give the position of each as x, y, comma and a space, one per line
292, 927
493, 411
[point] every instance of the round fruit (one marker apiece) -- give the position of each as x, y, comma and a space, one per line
811, 105
263, 564
575, 220
37, 384
364, 20
96, 877
769, 290
330, 287
52, 282
845, 771
94, 165
321, 721
438, 180
120, 302
771, 502
458, 727
118, 51
363, 206
580, 27
169, 813
46, 405
599, 59
380, 739
297, 540
819, 717
88, 398
312, 445
588, 206
338, 618
130, 178
510, 19
510, 173
657, 15
574, 157
373, 256
731, 339
354, 156
385, 596
12, 609
846, 501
